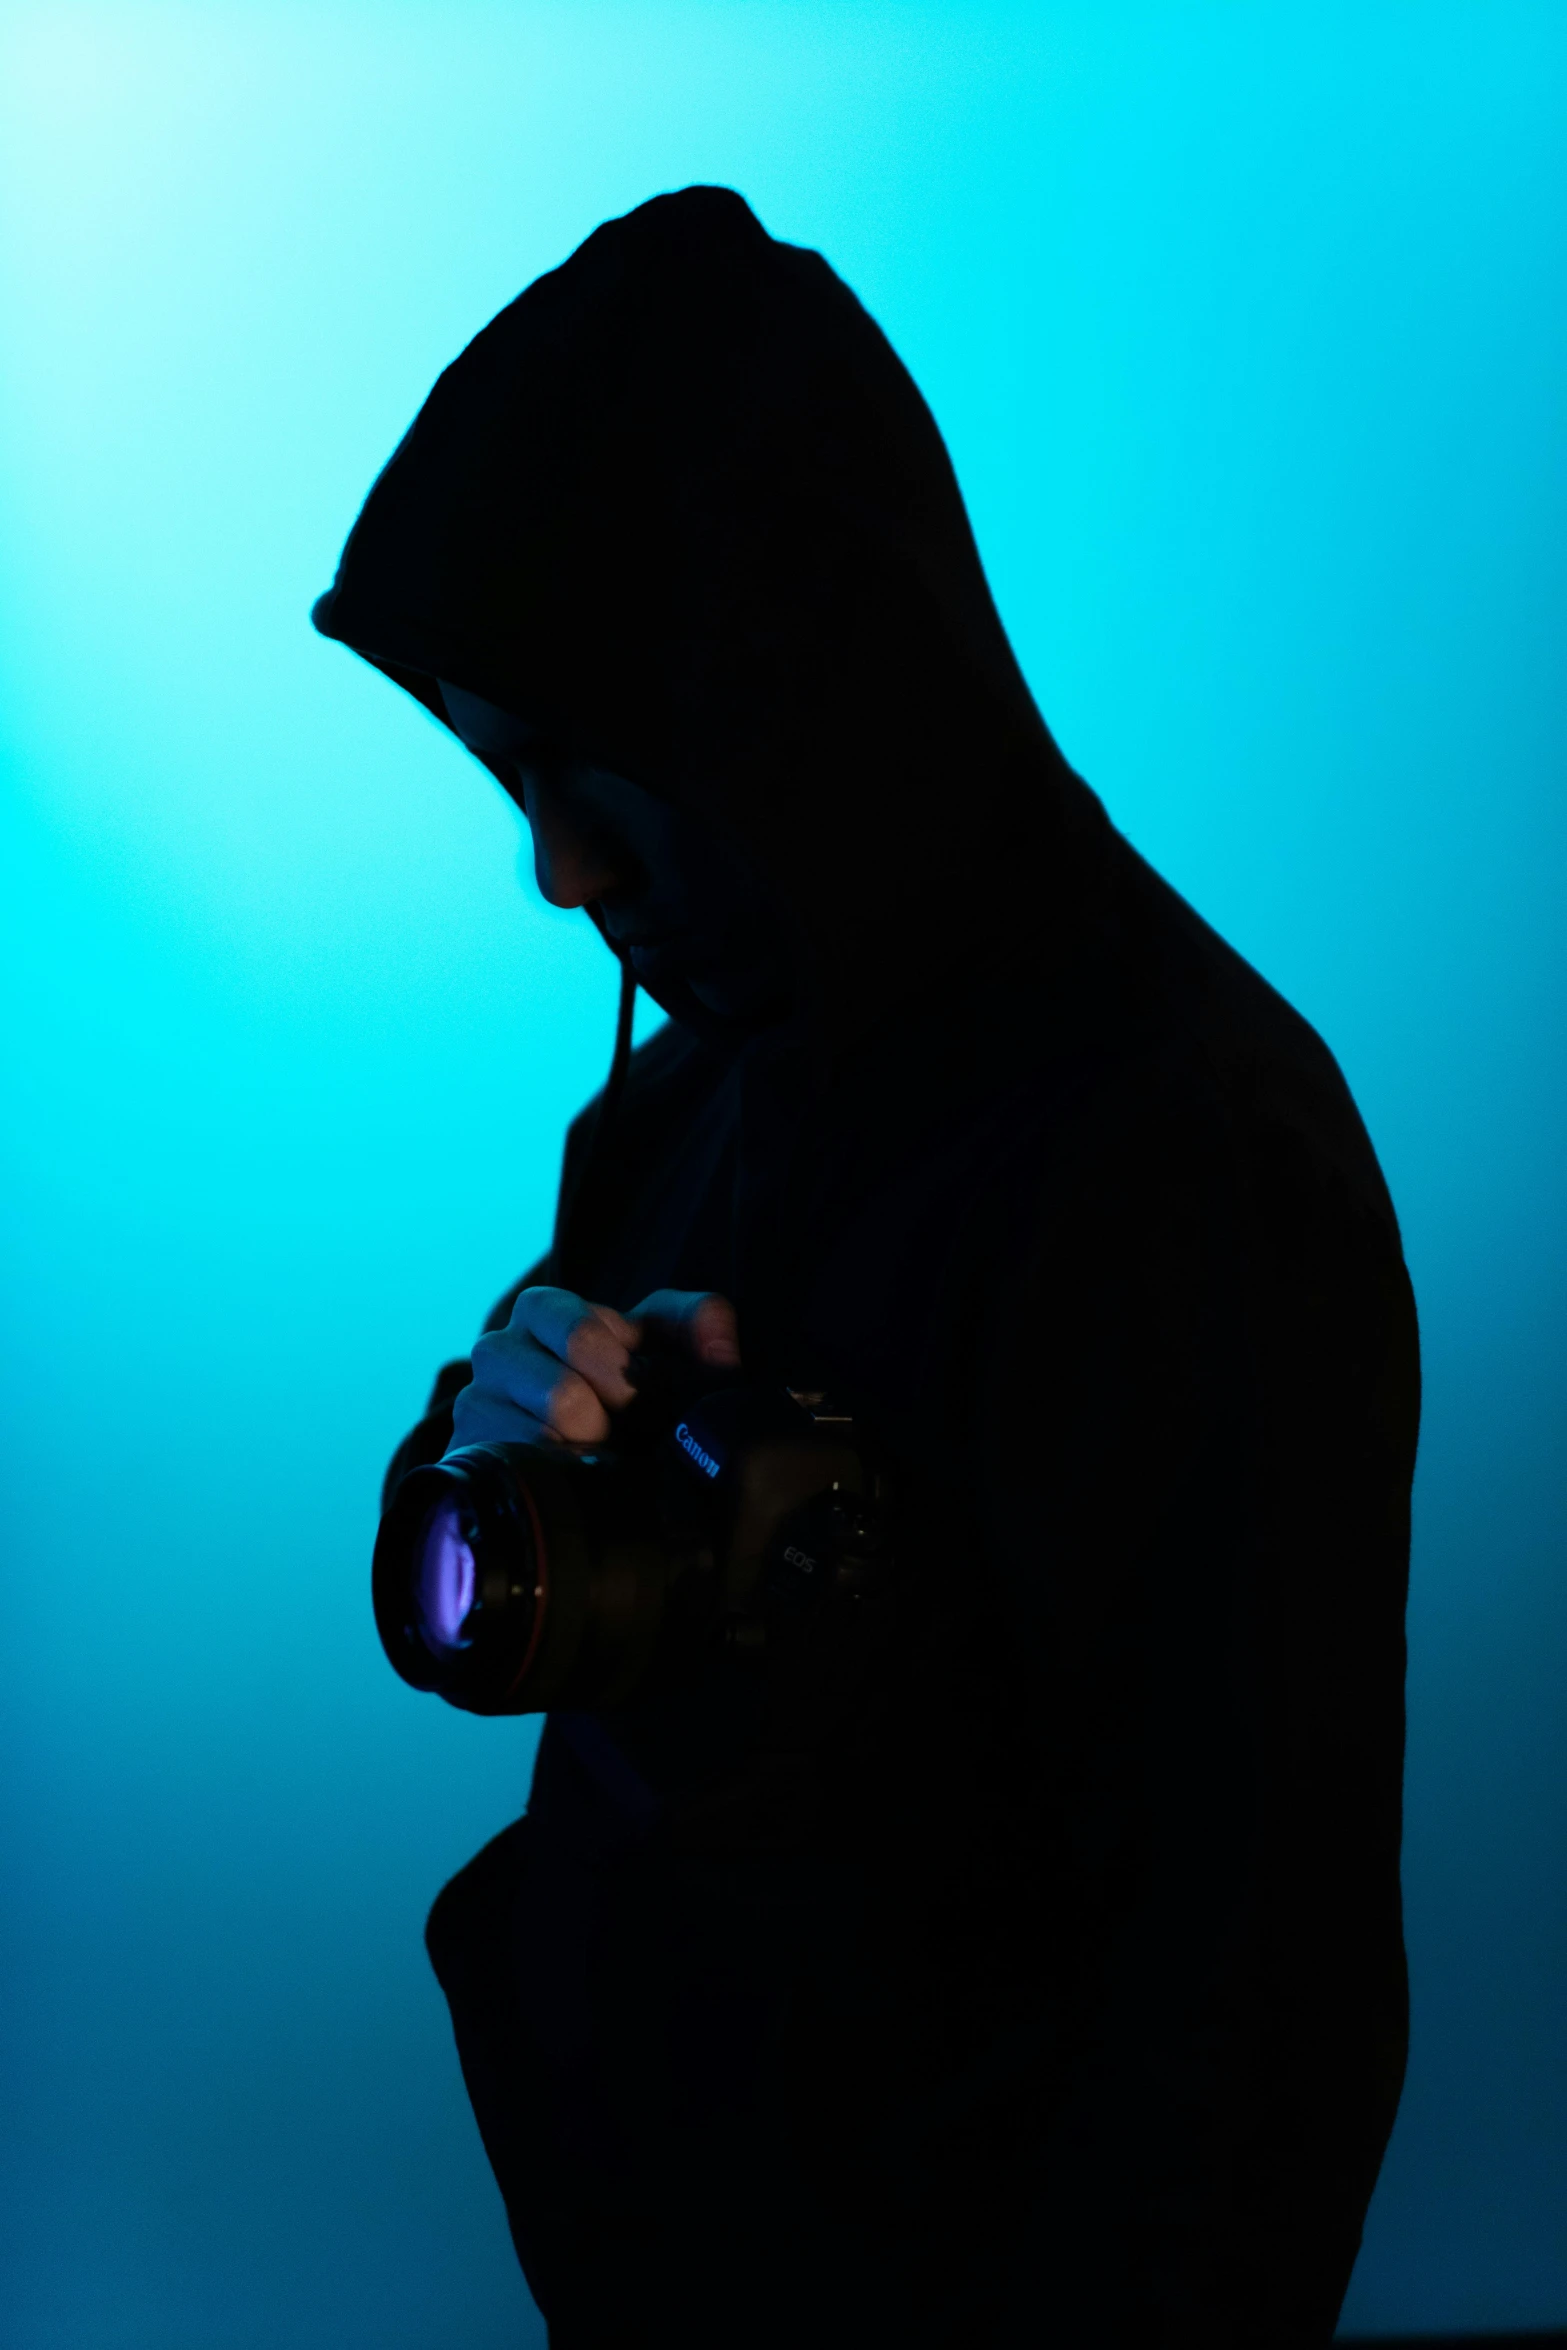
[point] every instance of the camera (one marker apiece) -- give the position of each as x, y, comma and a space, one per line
510, 1578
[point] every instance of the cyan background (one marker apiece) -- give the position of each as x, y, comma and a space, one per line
1246, 327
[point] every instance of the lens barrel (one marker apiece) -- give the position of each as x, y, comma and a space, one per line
510, 1577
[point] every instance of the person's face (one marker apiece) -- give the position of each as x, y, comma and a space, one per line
667, 891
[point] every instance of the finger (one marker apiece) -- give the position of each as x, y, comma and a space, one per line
697, 1319
594, 1340
599, 1348
514, 1369
576, 1412
481, 1418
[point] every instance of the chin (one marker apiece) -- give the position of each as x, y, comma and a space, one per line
756, 997
715, 1000
725, 1003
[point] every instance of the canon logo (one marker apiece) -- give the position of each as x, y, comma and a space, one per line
690, 1447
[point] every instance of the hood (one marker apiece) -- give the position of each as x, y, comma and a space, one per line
681, 505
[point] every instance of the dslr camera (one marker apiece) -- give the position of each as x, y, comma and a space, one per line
510, 1578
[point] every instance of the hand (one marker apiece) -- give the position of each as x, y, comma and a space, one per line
558, 1369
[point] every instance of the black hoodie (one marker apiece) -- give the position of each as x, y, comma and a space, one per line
1049, 1985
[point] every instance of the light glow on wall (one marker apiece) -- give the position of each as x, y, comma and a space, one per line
1246, 331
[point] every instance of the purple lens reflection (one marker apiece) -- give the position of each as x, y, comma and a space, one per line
443, 1588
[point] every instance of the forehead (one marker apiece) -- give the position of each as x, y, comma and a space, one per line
484, 726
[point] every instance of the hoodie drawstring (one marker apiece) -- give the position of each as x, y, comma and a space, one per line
575, 1221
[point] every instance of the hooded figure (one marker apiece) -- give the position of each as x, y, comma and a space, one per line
1049, 1984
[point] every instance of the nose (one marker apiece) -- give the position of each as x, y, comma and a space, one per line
572, 867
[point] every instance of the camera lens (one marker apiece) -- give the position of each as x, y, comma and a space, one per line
460, 1577
443, 1580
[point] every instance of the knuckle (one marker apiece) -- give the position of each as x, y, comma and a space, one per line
535, 1306
574, 1408
582, 1340
480, 1419
506, 1366
592, 1347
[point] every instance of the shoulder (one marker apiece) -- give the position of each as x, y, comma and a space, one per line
1233, 1055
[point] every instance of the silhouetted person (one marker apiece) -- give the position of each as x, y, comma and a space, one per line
1050, 1989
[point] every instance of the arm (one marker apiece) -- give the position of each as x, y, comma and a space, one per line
1198, 1437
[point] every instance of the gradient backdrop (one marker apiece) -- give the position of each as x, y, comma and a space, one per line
1246, 327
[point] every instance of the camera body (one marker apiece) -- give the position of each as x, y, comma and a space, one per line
511, 1578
